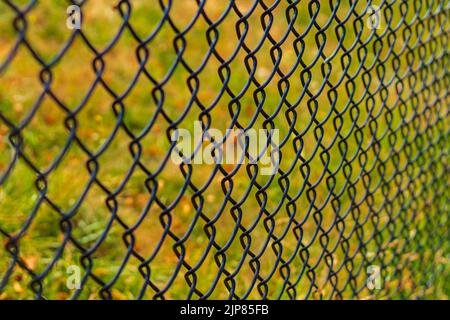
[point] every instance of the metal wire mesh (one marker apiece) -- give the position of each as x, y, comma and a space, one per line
86, 117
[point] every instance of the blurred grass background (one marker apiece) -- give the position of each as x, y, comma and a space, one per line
401, 215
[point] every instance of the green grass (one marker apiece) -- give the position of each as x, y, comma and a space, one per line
409, 226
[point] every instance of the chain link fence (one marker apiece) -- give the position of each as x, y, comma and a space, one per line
94, 205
